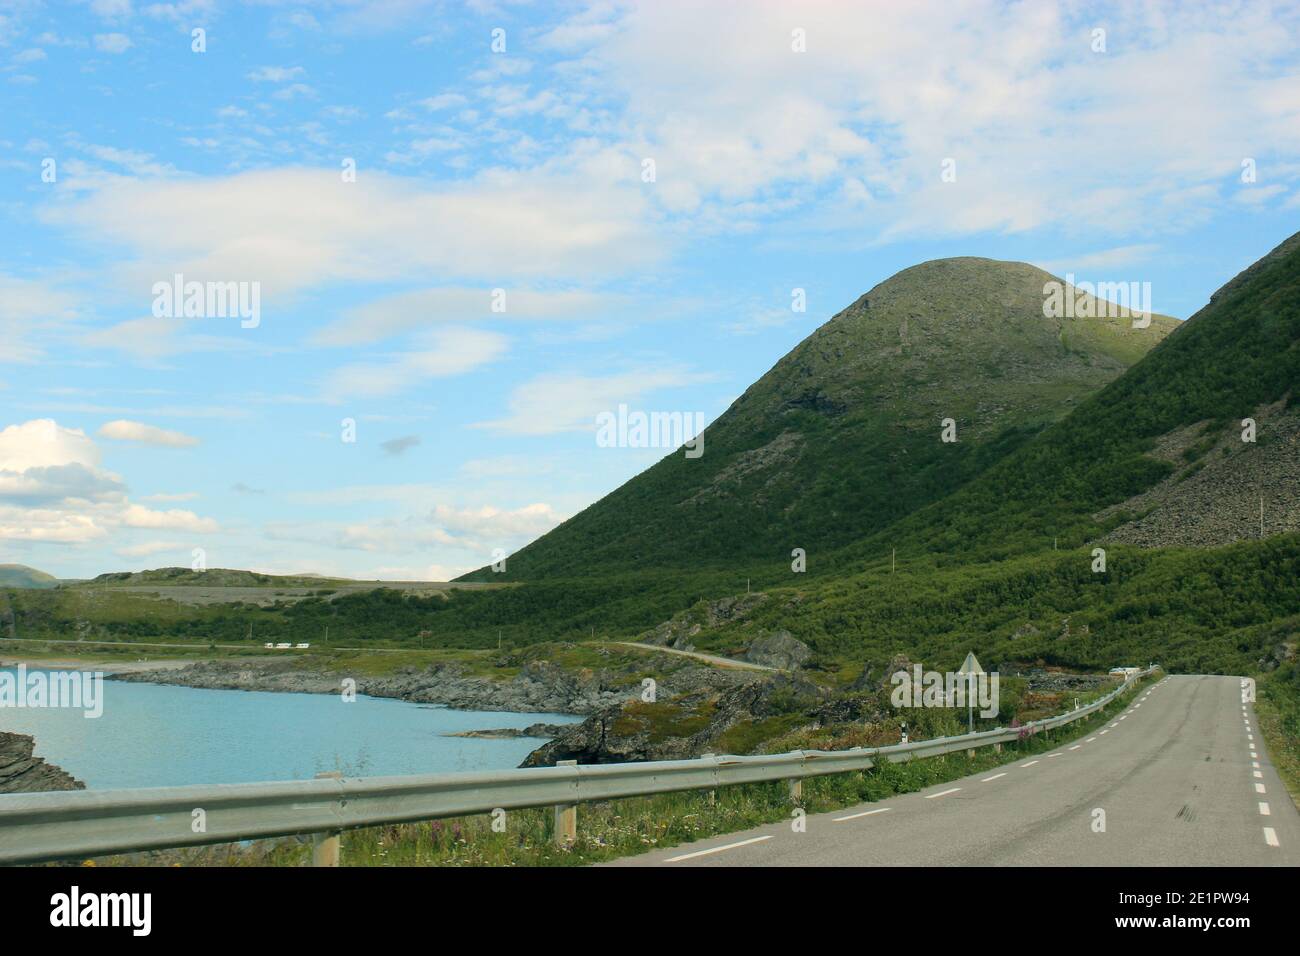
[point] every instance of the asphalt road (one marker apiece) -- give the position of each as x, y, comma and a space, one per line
1182, 777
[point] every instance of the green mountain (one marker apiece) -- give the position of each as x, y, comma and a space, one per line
841, 437
21, 576
1119, 456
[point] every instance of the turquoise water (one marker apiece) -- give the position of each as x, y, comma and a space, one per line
157, 736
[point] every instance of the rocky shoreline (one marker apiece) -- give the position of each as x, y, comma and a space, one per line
538, 687
21, 772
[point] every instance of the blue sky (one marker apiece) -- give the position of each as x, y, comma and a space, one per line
794, 146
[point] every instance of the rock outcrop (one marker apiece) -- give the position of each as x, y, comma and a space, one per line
780, 649
21, 772
683, 727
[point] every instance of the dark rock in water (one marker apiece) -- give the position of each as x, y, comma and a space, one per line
507, 733
20, 772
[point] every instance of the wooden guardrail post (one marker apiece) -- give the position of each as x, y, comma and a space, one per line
796, 790
326, 847
566, 815
712, 795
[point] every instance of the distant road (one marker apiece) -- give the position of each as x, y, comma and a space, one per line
1182, 776
707, 658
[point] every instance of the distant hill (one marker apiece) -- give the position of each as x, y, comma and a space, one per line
210, 578
21, 576
842, 437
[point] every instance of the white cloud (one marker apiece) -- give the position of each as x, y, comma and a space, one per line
28, 306
276, 74
553, 403
395, 314
1042, 129
443, 101
442, 352
174, 519
293, 229
52, 489
112, 42
42, 443
292, 91
124, 430
154, 339
146, 548
527, 522
179, 496
111, 9
1114, 258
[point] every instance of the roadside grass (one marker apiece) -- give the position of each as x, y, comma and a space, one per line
1277, 705
618, 828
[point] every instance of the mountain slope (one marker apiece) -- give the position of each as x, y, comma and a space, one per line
21, 576
1094, 471
842, 436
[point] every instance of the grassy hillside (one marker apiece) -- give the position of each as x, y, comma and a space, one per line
842, 436
1239, 353
1225, 610
21, 576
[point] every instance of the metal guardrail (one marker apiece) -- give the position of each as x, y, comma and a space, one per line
84, 823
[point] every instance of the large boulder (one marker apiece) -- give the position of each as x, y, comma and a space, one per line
780, 649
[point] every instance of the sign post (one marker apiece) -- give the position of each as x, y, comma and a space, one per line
971, 668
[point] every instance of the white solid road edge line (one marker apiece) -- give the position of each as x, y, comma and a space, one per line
864, 813
931, 796
716, 849
1270, 836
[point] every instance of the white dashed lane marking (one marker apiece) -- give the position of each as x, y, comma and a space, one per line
992, 778
932, 796
1030, 764
864, 813
1076, 746
1259, 788
1270, 836
1264, 811
716, 849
